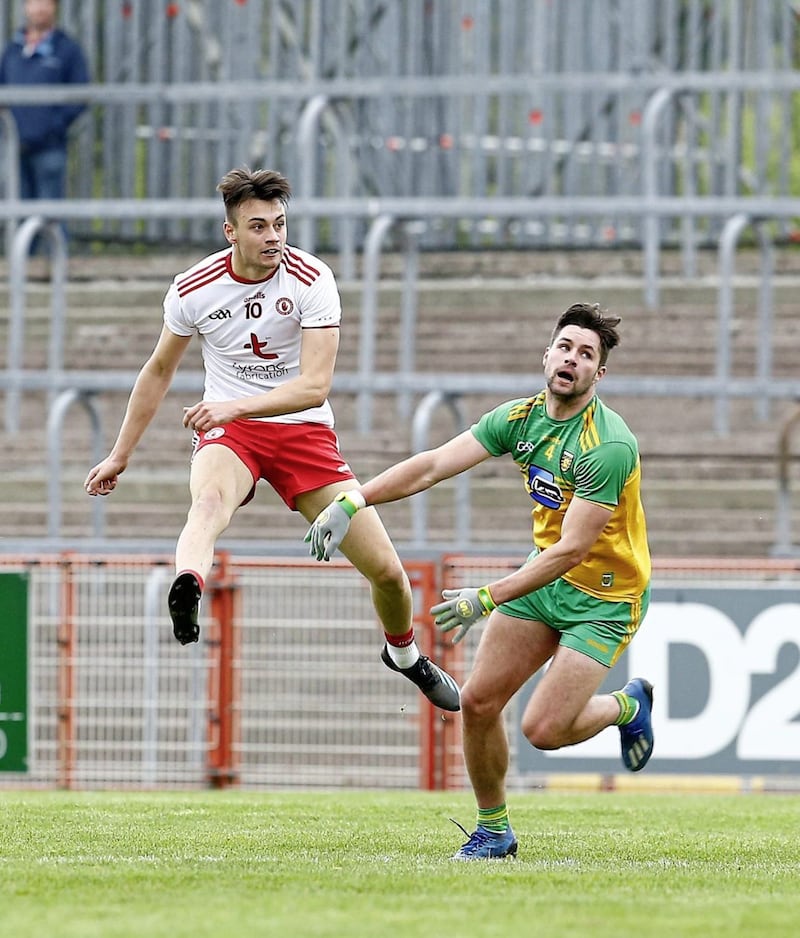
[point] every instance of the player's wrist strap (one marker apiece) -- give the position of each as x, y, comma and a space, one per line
485, 598
351, 501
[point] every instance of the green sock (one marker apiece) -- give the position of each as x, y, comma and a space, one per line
494, 819
628, 708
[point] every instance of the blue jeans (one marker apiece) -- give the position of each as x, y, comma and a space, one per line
43, 174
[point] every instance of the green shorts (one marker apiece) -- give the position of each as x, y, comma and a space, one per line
597, 628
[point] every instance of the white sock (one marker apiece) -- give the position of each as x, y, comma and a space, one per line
404, 657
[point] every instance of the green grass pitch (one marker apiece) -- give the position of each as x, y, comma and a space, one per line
590, 865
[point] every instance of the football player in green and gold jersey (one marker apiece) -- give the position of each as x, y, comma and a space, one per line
583, 591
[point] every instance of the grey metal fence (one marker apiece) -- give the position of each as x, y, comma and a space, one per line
459, 98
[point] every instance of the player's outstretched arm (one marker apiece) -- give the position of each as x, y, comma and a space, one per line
415, 474
151, 385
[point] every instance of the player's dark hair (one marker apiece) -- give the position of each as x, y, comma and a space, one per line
590, 316
242, 184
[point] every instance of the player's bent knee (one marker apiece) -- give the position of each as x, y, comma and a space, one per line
543, 734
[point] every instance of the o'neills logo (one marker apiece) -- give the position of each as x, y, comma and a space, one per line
284, 306
214, 433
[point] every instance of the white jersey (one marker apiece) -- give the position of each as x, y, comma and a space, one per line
250, 330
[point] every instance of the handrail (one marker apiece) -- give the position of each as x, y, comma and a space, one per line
10, 167
783, 509
406, 347
419, 504
651, 236
427, 86
79, 386
317, 109
325, 99
439, 389
20, 255
727, 250
55, 426
369, 307
420, 382
418, 207
307, 129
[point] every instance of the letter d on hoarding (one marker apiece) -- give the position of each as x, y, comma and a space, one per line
718, 707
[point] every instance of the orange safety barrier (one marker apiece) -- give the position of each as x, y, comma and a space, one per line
94, 685
284, 689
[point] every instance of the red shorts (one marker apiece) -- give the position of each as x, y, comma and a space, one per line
293, 457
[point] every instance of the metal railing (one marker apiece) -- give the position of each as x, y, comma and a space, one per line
784, 545
68, 388
368, 222
667, 151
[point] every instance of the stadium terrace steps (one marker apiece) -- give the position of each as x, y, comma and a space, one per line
745, 532
705, 494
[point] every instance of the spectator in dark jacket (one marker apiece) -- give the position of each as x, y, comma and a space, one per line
42, 54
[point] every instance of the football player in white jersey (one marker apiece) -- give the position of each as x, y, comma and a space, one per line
267, 316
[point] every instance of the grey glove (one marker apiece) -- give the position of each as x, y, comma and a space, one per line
331, 524
462, 609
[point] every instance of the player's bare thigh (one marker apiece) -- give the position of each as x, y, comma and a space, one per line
367, 545
509, 652
217, 472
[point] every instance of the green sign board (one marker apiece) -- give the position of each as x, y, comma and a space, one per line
13, 672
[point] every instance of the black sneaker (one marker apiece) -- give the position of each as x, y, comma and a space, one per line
184, 604
436, 684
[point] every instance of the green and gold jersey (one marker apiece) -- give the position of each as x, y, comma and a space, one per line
593, 456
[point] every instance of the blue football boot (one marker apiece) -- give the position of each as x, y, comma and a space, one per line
483, 844
637, 736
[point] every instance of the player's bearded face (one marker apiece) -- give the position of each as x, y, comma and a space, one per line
572, 363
